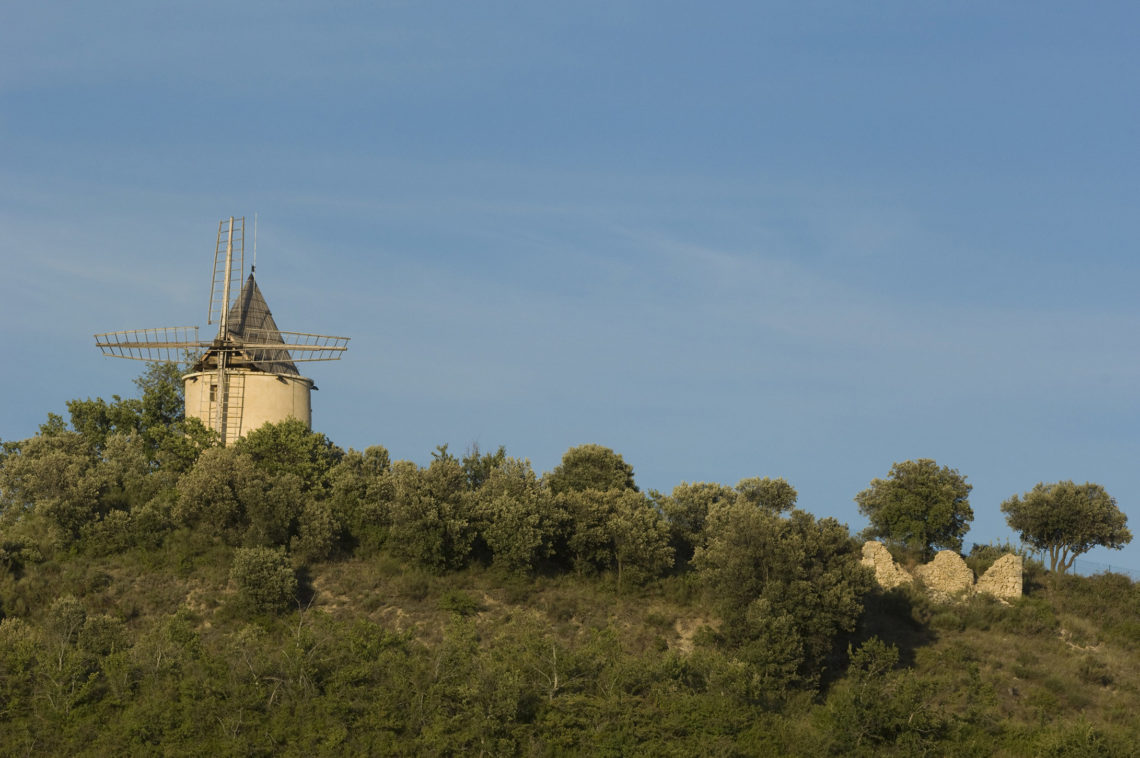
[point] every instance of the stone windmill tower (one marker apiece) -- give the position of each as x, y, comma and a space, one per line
247, 375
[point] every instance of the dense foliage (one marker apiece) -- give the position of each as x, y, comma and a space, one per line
920, 506
1066, 520
160, 594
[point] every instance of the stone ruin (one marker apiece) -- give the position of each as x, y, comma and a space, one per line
888, 573
947, 576
1003, 579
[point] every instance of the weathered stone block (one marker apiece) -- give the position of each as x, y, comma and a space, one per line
947, 574
1003, 579
888, 573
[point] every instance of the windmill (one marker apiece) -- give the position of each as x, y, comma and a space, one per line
247, 375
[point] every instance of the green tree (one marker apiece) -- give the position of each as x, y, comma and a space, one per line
95, 420
431, 514
272, 515
228, 496
787, 587
587, 541
1067, 519
172, 441
921, 506
478, 465
878, 706
213, 495
590, 467
361, 491
175, 441
264, 579
687, 508
639, 536
318, 531
518, 519
55, 475
774, 494
126, 470
289, 446
616, 529
20, 647
163, 398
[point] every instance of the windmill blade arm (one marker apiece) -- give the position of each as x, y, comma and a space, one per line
167, 344
301, 346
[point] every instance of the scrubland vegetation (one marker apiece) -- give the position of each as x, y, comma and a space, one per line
162, 595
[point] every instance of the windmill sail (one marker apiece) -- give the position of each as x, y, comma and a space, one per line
229, 264
164, 344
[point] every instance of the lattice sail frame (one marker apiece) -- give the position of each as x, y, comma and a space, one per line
170, 344
163, 344
301, 346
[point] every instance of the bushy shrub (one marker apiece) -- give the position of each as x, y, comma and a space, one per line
319, 532
291, 447
1029, 616
264, 579
879, 706
458, 601
102, 635
431, 515
792, 584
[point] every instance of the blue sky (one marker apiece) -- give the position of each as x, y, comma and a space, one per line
735, 239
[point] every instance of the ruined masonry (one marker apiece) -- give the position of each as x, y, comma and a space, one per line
888, 573
947, 576
1003, 580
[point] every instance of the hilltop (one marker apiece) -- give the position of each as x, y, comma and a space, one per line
282, 596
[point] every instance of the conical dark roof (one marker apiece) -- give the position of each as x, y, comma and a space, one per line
249, 322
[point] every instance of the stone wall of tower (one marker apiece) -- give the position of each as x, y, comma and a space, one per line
262, 397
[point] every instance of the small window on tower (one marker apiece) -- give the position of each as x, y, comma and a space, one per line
213, 393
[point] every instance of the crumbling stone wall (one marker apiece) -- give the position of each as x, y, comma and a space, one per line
947, 576
888, 573
1003, 579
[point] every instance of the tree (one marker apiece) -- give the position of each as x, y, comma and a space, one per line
478, 465
687, 508
360, 496
774, 494
590, 467
213, 495
639, 536
921, 506
163, 394
264, 579
431, 514
95, 420
519, 519
786, 587
172, 441
878, 706
54, 474
290, 447
618, 529
1067, 519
